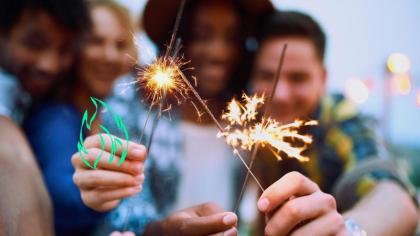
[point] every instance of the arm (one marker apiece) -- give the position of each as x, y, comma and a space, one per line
25, 207
388, 204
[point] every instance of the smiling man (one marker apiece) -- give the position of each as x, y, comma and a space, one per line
300, 203
38, 39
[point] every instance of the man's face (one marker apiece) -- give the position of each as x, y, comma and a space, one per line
36, 50
302, 79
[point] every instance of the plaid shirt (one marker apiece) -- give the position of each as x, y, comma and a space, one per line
13, 99
342, 139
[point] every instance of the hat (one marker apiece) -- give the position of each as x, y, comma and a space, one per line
159, 15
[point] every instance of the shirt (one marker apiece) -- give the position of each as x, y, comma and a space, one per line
207, 167
13, 99
53, 132
342, 139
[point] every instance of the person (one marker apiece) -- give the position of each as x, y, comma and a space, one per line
53, 127
299, 203
38, 40
185, 153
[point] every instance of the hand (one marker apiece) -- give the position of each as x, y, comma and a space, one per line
298, 207
103, 188
205, 219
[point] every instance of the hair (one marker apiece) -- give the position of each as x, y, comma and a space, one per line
296, 24
72, 15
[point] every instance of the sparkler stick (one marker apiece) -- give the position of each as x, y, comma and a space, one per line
265, 114
165, 59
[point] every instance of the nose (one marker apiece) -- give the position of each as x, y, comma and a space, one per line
219, 50
282, 93
50, 63
111, 53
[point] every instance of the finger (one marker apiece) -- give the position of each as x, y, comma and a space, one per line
129, 166
298, 210
87, 179
116, 233
134, 151
128, 234
329, 224
209, 208
229, 232
108, 195
211, 224
289, 185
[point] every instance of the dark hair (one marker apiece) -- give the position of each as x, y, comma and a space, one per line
290, 23
70, 14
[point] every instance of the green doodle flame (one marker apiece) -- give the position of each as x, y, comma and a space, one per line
115, 142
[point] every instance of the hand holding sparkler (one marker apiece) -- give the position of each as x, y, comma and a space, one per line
102, 189
297, 206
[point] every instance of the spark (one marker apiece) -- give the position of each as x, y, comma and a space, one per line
244, 130
161, 78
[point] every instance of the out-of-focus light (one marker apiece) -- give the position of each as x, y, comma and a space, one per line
401, 84
398, 63
418, 98
356, 90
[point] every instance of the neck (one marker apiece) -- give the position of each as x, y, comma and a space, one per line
81, 99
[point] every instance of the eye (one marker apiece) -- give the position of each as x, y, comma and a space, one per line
264, 75
35, 42
298, 77
121, 45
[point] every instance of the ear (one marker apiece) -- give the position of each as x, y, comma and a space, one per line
324, 78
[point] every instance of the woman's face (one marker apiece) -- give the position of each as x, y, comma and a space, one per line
105, 56
214, 45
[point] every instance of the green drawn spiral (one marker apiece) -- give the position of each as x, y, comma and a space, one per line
115, 142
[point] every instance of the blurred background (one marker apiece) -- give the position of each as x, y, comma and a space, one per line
373, 57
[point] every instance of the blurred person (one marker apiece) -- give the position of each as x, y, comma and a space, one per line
38, 40
53, 127
300, 203
188, 166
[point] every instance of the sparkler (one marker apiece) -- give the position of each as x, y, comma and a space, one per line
252, 134
159, 79
245, 132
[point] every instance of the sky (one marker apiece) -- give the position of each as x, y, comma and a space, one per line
361, 35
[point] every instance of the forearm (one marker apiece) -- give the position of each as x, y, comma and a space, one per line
25, 208
386, 210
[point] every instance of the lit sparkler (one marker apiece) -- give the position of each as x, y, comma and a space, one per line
245, 131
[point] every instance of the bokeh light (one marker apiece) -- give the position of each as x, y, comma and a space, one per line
356, 90
398, 63
401, 84
418, 98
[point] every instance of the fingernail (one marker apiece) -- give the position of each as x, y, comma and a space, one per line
137, 189
263, 204
139, 178
231, 232
137, 152
229, 219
